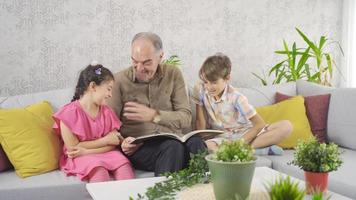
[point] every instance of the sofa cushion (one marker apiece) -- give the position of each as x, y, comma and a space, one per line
293, 110
341, 181
4, 161
317, 108
341, 119
28, 140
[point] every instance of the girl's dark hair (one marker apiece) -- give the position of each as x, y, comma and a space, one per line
92, 73
215, 67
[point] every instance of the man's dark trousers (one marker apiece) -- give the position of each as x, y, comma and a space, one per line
165, 155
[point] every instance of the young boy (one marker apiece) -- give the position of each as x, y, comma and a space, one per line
229, 110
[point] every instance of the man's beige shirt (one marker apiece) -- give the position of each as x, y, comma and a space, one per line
166, 92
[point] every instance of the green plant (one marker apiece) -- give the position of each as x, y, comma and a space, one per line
319, 195
235, 151
312, 156
284, 188
176, 181
298, 63
173, 60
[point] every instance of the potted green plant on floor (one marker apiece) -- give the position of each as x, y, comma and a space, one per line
232, 168
317, 160
285, 188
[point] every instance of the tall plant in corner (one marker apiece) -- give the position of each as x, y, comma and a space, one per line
312, 63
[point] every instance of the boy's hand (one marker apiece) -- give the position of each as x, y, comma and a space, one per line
76, 151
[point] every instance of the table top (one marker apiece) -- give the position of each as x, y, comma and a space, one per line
124, 189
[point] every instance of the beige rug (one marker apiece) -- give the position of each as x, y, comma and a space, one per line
206, 192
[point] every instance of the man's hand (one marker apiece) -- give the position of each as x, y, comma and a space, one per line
128, 148
76, 151
113, 138
138, 112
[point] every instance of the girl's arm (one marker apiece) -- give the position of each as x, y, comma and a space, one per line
80, 151
258, 124
70, 140
113, 138
200, 118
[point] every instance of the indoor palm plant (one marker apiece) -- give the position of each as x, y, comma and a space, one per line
316, 159
232, 168
312, 63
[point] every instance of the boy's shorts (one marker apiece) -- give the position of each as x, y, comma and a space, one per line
234, 136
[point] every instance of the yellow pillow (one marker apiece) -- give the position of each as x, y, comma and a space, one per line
293, 110
27, 138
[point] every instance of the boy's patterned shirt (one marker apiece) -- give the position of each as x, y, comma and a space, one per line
230, 113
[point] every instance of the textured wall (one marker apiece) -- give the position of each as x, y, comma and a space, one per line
44, 43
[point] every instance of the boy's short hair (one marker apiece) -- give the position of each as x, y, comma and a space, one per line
215, 67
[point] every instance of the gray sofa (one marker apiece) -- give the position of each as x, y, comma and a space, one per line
341, 130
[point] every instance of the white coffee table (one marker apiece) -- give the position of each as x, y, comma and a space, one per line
116, 190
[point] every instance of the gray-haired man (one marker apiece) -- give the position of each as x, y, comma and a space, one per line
150, 97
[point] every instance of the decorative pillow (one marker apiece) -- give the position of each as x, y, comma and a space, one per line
293, 110
317, 108
4, 161
27, 138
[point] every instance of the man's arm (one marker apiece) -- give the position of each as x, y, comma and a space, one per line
181, 116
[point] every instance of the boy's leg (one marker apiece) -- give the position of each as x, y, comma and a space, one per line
212, 146
274, 134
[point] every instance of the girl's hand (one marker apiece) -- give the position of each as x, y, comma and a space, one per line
113, 138
76, 151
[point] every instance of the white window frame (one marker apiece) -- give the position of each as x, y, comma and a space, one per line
349, 43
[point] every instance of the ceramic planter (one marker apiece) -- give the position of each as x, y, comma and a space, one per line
316, 181
231, 178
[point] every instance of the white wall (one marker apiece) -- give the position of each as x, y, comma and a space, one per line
44, 43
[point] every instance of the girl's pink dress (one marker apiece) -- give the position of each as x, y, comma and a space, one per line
87, 128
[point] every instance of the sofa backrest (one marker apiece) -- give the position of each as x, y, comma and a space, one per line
265, 95
57, 98
341, 126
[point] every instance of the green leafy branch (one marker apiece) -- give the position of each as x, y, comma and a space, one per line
197, 172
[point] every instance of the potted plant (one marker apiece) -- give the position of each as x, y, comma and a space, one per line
319, 195
232, 168
316, 159
284, 188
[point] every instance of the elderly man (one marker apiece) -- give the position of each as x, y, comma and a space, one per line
151, 97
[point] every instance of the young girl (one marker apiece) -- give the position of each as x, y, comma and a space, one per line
229, 110
89, 130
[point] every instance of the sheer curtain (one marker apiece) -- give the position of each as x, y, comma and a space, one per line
349, 42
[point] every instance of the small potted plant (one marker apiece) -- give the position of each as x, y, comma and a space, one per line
319, 195
284, 188
232, 168
316, 159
